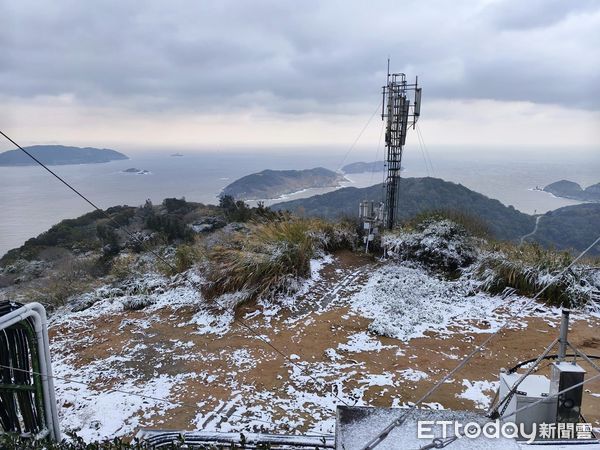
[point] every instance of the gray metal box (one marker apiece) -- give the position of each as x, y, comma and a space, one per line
564, 375
531, 389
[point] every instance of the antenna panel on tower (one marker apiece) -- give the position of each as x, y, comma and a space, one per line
417, 110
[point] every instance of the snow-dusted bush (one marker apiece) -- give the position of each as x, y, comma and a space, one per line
84, 301
441, 245
333, 236
138, 302
530, 268
121, 266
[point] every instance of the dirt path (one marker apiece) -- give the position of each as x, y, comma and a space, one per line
235, 380
537, 221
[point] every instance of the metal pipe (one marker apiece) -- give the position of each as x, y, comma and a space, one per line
17, 316
564, 329
42, 312
584, 356
41, 330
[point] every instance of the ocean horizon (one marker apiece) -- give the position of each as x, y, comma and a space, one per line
32, 200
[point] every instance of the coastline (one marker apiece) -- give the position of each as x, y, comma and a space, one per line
288, 196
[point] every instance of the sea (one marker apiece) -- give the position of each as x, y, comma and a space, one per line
31, 200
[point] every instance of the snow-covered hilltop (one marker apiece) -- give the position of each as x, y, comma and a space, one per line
162, 320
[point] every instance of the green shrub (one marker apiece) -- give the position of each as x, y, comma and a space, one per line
185, 257
177, 206
172, 227
235, 211
121, 267
72, 276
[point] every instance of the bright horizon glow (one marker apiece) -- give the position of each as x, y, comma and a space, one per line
483, 124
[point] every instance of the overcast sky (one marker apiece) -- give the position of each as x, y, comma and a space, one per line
266, 74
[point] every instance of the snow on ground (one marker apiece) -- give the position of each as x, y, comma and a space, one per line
475, 391
207, 322
361, 342
384, 379
153, 290
93, 400
146, 359
113, 413
405, 302
413, 375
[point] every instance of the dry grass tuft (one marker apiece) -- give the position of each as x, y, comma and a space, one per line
271, 258
529, 268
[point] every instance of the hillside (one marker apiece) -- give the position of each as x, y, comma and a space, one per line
119, 227
420, 195
570, 227
357, 329
572, 190
53, 155
270, 184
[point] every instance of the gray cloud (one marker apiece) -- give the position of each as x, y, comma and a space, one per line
535, 13
298, 57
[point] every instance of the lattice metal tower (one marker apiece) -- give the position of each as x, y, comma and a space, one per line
400, 114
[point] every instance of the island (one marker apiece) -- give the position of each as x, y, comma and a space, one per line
270, 184
571, 190
54, 155
362, 167
137, 171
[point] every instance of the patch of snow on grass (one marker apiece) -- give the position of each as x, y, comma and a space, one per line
361, 342
317, 264
332, 354
97, 415
405, 302
475, 392
433, 405
413, 375
208, 322
384, 379
243, 359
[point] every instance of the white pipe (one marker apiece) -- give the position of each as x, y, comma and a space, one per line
42, 312
41, 330
17, 316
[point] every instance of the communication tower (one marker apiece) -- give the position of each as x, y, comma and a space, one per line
400, 114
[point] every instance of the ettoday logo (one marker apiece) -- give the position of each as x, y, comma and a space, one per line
430, 429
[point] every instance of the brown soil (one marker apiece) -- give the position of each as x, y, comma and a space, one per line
319, 322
